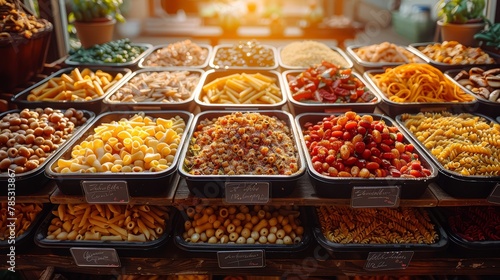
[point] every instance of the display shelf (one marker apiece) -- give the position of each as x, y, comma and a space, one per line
42, 195
164, 199
445, 199
302, 195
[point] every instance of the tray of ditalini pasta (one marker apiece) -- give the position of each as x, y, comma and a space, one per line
126, 228
418, 87
347, 232
465, 147
139, 149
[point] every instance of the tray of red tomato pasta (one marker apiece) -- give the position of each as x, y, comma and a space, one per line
418, 87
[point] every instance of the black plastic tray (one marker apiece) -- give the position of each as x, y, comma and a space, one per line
213, 74
484, 106
396, 108
185, 105
214, 185
268, 248
159, 47
446, 66
299, 107
138, 183
341, 187
453, 183
95, 105
123, 248
361, 251
349, 62
25, 240
29, 182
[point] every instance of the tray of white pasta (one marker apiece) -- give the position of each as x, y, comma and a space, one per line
135, 149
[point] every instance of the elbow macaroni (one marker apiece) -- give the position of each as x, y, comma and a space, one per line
138, 144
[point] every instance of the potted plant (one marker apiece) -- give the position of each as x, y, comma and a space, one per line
459, 20
94, 20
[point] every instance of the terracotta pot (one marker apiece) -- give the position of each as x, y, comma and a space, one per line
462, 33
95, 32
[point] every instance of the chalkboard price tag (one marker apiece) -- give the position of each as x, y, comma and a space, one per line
247, 192
494, 197
241, 259
106, 191
373, 197
95, 257
388, 260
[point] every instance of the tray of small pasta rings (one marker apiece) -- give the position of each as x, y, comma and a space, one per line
274, 229
328, 88
347, 232
464, 146
74, 87
472, 229
130, 229
482, 83
242, 148
418, 87
138, 149
29, 138
160, 88
379, 56
451, 54
27, 218
237, 89
348, 150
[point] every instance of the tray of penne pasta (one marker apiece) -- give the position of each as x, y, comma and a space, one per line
125, 228
138, 149
233, 89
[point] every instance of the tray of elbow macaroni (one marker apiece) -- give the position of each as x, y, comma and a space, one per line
125, 228
139, 148
73, 87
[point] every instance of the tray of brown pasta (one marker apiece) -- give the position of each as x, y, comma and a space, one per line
232, 89
127, 228
347, 232
254, 148
75, 87
465, 147
136, 149
418, 87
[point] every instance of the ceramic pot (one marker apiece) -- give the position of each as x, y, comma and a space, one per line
95, 32
462, 33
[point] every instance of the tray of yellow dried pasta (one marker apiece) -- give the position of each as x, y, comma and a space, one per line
138, 149
418, 87
242, 147
130, 229
347, 232
465, 147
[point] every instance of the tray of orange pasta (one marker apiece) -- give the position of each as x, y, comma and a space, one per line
139, 148
417, 87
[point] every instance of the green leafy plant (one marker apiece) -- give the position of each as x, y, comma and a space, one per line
461, 11
89, 10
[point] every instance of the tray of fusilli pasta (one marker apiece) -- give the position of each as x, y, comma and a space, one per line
418, 87
347, 232
465, 147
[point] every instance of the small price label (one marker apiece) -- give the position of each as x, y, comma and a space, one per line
494, 197
388, 260
95, 257
241, 259
247, 192
372, 197
100, 192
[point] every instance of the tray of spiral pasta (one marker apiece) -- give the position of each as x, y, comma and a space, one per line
418, 87
355, 233
130, 230
242, 150
29, 138
347, 152
465, 147
127, 150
